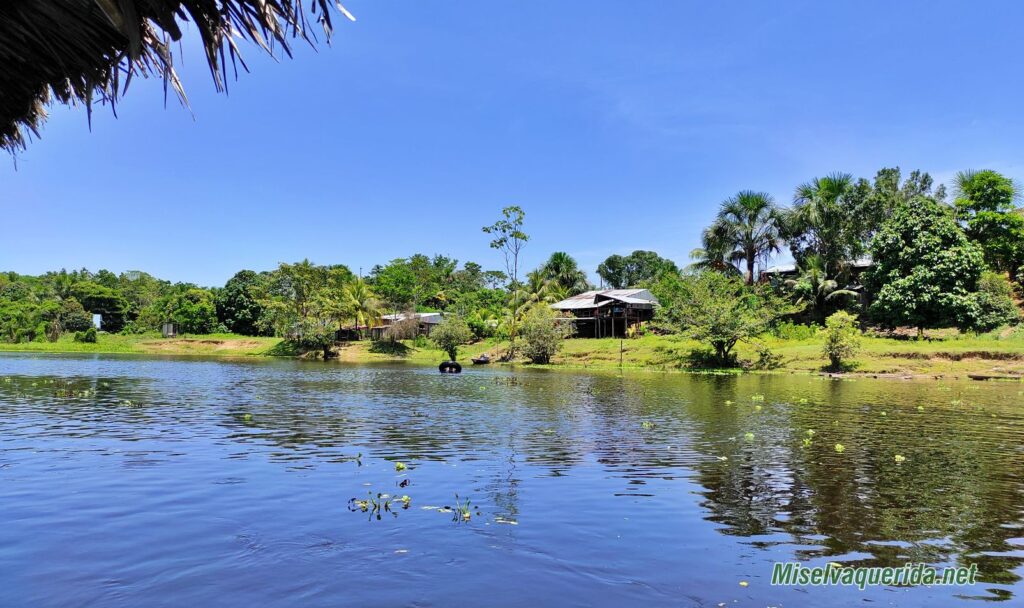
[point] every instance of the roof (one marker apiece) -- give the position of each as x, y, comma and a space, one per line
603, 297
424, 317
864, 262
82, 51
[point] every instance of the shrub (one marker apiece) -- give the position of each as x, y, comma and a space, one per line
787, 330
542, 334
842, 339
88, 336
451, 333
766, 359
993, 304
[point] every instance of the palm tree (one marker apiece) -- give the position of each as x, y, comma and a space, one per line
747, 227
814, 286
820, 222
540, 289
713, 254
360, 304
563, 270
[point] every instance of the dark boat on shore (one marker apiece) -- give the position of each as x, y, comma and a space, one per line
481, 360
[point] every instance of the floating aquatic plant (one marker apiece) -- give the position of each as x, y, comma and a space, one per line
757, 397
727, 402
758, 408
405, 501
374, 505
920, 408
802, 401
748, 436
840, 448
809, 432
900, 458
807, 442
956, 402
247, 417
647, 425
400, 466
884, 413
463, 510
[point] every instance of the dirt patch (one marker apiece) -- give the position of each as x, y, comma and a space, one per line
185, 344
972, 354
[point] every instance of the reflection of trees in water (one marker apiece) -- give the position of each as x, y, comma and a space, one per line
957, 495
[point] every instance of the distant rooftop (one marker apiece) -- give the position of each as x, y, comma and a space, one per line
604, 297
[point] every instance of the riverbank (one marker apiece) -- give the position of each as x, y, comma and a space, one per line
998, 353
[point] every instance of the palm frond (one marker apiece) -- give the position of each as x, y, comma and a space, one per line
81, 51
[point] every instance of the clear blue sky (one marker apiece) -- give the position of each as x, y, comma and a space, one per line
616, 125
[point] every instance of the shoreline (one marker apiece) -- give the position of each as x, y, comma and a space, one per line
978, 358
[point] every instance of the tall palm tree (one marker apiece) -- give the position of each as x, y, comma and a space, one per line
359, 303
714, 253
747, 227
563, 270
820, 221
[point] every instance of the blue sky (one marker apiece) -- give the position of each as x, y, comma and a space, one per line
615, 125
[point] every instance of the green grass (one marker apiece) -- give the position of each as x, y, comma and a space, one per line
999, 352
153, 344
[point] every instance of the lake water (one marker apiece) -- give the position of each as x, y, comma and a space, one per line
157, 482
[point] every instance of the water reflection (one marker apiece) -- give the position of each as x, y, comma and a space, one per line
752, 459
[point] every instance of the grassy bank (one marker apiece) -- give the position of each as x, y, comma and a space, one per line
152, 344
999, 352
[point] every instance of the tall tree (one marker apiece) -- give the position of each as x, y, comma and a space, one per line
985, 206
639, 267
823, 223
565, 272
748, 223
360, 304
509, 239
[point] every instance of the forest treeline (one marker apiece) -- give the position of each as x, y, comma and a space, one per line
937, 259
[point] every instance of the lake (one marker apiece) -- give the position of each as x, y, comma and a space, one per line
175, 482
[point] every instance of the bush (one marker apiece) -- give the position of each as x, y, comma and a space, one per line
451, 333
766, 359
842, 339
88, 336
993, 304
787, 330
543, 334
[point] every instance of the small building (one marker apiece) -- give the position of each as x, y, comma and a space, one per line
168, 330
608, 313
783, 272
427, 321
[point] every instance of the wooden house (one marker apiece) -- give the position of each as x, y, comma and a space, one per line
608, 313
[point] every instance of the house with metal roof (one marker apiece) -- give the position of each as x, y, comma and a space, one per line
608, 313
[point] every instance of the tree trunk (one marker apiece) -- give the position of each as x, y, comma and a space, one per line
750, 270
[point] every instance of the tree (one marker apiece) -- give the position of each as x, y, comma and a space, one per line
814, 286
639, 267
823, 222
510, 239
985, 207
842, 339
103, 301
395, 283
748, 224
192, 311
302, 303
238, 304
543, 334
451, 333
722, 310
360, 304
563, 270
926, 270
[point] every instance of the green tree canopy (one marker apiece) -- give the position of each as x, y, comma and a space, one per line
985, 206
926, 269
637, 268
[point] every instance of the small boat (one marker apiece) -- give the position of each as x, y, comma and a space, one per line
481, 360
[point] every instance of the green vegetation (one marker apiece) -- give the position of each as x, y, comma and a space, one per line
543, 334
450, 334
943, 272
842, 339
